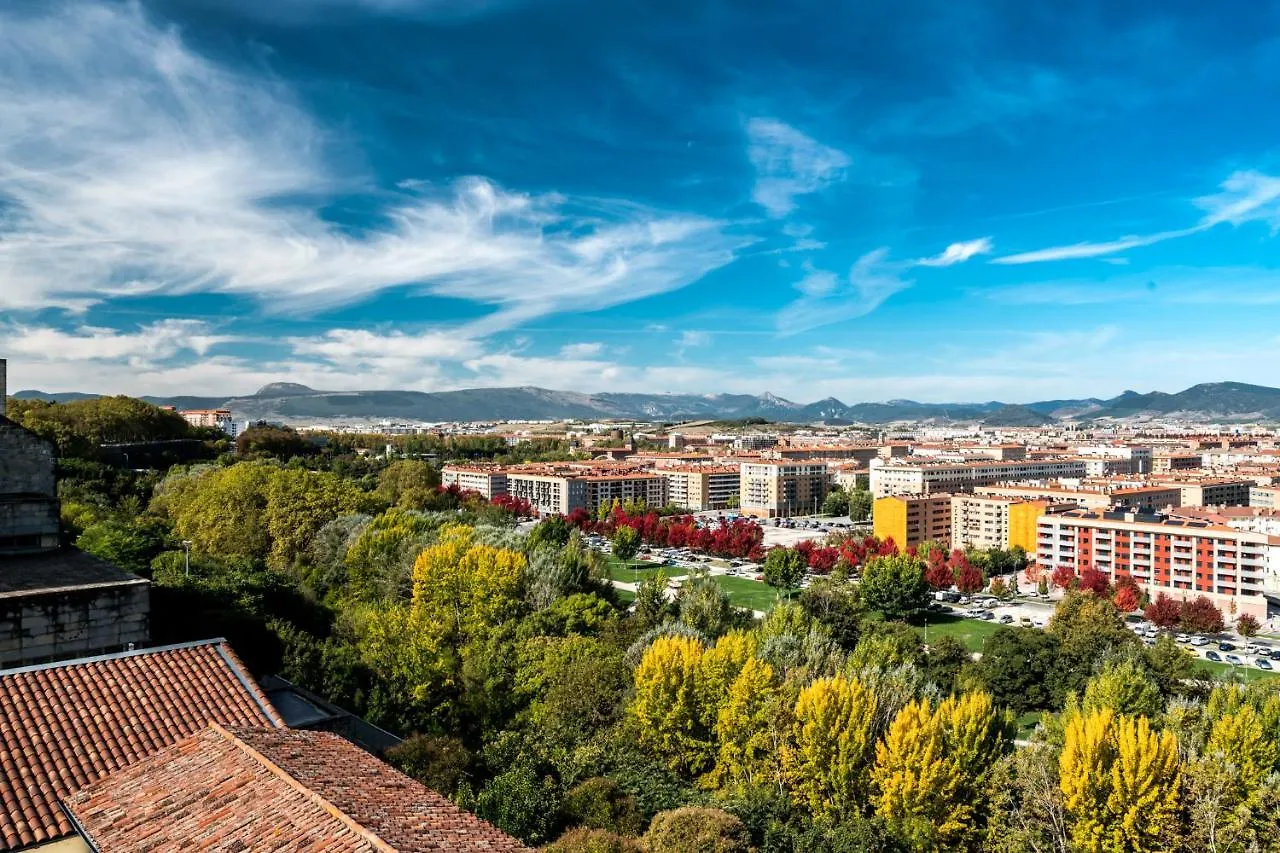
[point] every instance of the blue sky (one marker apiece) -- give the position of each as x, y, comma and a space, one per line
942, 201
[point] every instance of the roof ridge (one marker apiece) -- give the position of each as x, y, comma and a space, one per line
335, 812
128, 653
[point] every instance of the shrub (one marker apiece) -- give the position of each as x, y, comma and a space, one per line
600, 803
697, 830
593, 841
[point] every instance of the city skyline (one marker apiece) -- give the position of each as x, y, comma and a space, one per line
979, 202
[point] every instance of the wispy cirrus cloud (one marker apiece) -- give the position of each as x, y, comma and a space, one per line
1246, 196
958, 253
131, 165
872, 279
788, 164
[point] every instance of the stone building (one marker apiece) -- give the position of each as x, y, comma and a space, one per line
55, 602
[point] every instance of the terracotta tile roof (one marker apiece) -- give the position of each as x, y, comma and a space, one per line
273, 789
64, 725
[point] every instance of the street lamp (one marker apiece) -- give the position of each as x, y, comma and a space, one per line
186, 547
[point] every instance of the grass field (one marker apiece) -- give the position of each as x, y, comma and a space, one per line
1027, 723
970, 632
623, 571
1244, 673
625, 596
747, 593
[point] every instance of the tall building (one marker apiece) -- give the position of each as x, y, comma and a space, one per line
213, 418
1181, 557
553, 489
1097, 497
1267, 497
912, 519
769, 489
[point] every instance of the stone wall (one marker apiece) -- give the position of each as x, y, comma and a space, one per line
69, 623
26, 462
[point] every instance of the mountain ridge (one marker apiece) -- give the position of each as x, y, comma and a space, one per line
1214, 401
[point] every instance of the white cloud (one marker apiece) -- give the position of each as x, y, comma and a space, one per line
958, 253
582, 350
788, 164
131, 165
153, 342
1245, 197
872, 279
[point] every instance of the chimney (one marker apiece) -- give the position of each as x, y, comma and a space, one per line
4, 387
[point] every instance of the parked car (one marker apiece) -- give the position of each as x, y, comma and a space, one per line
1213, 656
1234, 660
1182, 638
1199, 641
1224, 646
1263, 663
988, 615
1006, 619
1275, 654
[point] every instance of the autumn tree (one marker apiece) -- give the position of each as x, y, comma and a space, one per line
1120, 781
1092, 580
828, 757
750, 730
969, 577
626, 542
1063, 577
1164, 612
1247, 625
1126, 599
1200, 616
667, 706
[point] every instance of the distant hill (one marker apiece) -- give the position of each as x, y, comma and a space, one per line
1016, 416
1221, 401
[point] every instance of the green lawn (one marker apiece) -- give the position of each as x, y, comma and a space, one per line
625, 596
744, 592
623, 571
1245, 673
1027, 723
970, 632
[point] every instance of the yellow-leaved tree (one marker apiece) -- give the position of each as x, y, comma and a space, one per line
462, 587
827, 759
667, 707
1120, 781
1240, 738
750, 730
720, 667
932, 766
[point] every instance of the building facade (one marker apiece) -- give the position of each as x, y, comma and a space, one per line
1180, 557
912, 519
554, 491
488, 480
911, 477
212, 418
702, 487
769, 489
981, 521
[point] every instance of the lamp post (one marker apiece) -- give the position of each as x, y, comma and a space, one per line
186, 558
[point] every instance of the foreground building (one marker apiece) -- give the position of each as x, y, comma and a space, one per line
560, 490
55, 602
272, 789
1181, 557
989, 521
701, 487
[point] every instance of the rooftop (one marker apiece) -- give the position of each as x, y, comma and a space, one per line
62, 570
65, 725
273, 789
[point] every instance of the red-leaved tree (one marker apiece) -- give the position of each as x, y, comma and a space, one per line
1127, 599
939, 575
1201, 616
1063, 577
1164, 612
1094, 581
969, 579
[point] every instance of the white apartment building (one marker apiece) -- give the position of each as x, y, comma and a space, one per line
1138, 458
215, 418
488, 480
552, 490
916, 477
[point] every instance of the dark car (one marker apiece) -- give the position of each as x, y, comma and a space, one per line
1006, 619
1275, 654
1213, 656
1226, 647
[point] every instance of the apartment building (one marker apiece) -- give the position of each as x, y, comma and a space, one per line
561, 489
1095, 496
1138, 459
488, 480
863, 453
1166, 461
1209, 491
990, 521
1266, 497
911, 519
702, 487
214, 418
767, 489
915, 477
1177, 556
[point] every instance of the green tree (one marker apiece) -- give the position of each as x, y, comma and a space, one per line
626, 542
836, 604
894, 585
440, 763
130, 545
860, 503
836, 503
784, 568
1124, 687
405, 479
1019, 667
600, 803
552, 532
592, 841
704, 605
520, 802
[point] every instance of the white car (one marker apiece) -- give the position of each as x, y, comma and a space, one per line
1199, 641
1182, 638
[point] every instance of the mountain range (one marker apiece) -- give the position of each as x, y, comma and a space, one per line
1212, 402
